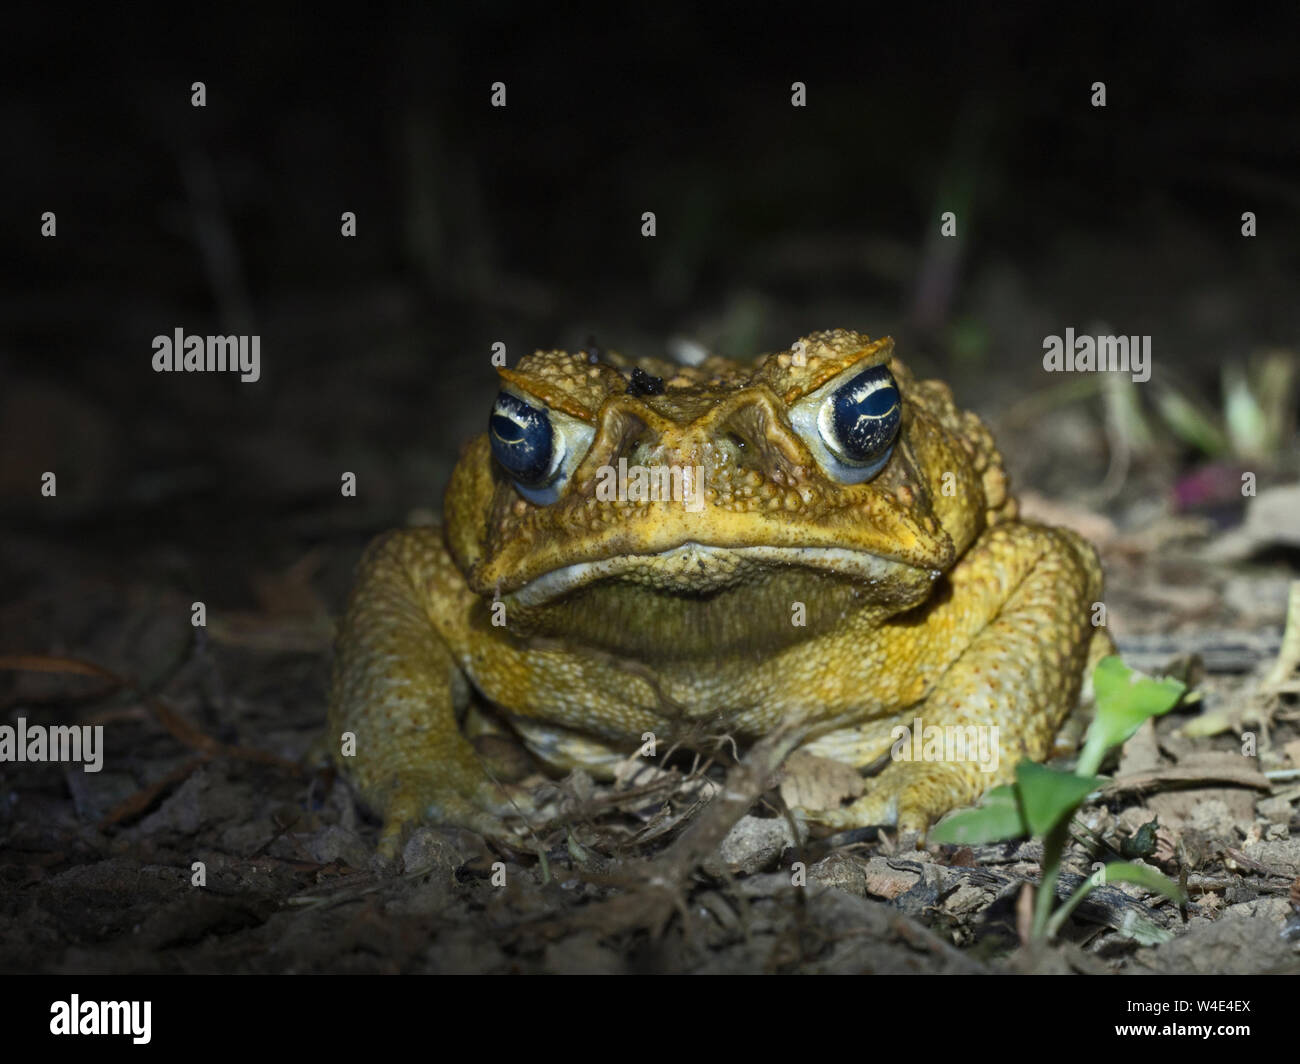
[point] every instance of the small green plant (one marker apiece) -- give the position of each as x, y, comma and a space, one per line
1043, 800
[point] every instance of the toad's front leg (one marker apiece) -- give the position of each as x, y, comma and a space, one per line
1023, 597
397, 688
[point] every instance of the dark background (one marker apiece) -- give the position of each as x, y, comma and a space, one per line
522, 225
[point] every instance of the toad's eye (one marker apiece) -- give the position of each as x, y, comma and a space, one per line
540, 448
859, 420
850, 428
524, 442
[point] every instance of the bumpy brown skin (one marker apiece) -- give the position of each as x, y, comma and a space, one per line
928, 598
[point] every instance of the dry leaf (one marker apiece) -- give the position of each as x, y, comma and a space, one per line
812, 782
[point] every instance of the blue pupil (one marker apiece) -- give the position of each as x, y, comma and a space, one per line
866, 413
522, 440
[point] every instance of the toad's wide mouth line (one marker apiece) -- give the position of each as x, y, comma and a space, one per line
699, 566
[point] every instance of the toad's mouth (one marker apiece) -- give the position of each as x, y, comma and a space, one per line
697, 568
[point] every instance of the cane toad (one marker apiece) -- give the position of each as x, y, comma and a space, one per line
647, 547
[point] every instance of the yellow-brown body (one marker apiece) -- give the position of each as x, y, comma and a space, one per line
776, 592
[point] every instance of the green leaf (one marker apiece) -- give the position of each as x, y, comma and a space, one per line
1190, 424
1141, 930
1126, 697
1136, 927
1124, 700
1142, 843
1048, 795
1144, 876
996, 819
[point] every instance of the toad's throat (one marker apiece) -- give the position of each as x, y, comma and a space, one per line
700, 569
697, 602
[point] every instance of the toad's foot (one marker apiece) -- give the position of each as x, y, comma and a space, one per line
501, 811
396, 696
909, 797
1004, 698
